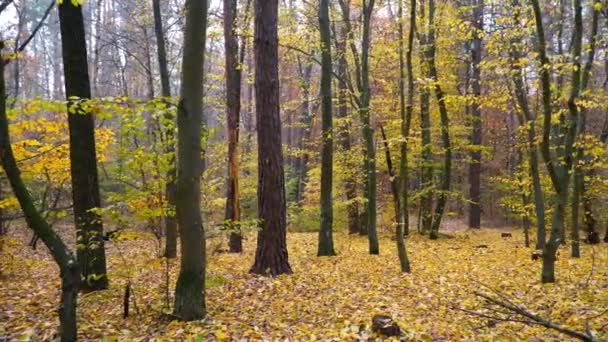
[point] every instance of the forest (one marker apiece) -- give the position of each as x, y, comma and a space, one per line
304, 170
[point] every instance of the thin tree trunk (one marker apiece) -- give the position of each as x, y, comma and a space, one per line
68, 265
190, 288
165, 87
579, 153
350, 184
85, 186
271, 254
233, 111
528, 119
368, 132
445, 177
476, 137
401, 251
326, 242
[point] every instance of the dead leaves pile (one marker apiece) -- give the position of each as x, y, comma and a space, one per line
325, 299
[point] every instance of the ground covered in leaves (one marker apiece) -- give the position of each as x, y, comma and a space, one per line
325, 299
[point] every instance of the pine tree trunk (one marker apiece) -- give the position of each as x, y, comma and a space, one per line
190, 288
271, 254
85, 187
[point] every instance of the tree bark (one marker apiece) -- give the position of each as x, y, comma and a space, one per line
326, 242
85, 186
190, 288
476, 136
271, 254
233, 111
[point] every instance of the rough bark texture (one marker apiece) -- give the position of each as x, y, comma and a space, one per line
271, 254
476, 136
85, 187
233, 111
326, 241
68, 266
165, 86
190, 288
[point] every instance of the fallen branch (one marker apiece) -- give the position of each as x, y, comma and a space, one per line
520, 314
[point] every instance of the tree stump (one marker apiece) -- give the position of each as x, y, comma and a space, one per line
385, 325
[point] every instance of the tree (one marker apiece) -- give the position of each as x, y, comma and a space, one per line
85, 187
476, 136
326, 242
406, 112
63, 256
233, 109
271, 255
363, 102
579, 153
445, 177
189, 291
558, 163
165, 86
528, 119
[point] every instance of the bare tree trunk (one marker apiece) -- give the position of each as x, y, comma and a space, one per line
476, 137
85, 186
326, 242
445, 177
190, 288
344, 138
271, 254
579, 153
233, 110
165, 87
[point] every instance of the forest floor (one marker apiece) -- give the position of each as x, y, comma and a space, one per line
330, 298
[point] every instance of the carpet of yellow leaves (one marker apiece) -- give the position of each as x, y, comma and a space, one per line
325, 299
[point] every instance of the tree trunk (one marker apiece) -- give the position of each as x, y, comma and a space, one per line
190, 288
233, 111
68, 265
368, 132
528, 119
350, 184
85, 187
165, 86
476, 137
579, 153
326, 242
445, 177
271, 254
399, 237
425, 216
